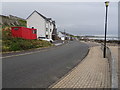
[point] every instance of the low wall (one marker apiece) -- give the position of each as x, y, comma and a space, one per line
113, 71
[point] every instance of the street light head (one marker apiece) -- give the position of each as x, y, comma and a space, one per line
107, 3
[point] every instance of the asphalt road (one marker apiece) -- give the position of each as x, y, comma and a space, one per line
41, 69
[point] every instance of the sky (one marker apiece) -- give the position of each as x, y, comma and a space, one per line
78, 18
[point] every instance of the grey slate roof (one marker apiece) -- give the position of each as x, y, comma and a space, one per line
40, 15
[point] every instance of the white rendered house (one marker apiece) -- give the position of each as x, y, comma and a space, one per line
49, 28
61, 35
43, 25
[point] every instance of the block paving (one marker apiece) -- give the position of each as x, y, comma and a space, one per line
92, 72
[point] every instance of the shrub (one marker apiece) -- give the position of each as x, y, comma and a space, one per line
10, 43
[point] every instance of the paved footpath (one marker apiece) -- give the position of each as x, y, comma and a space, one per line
92, 72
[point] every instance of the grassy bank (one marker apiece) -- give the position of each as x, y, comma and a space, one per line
10, 43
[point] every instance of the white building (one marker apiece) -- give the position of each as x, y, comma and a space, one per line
43, 25
61, 35
49, 28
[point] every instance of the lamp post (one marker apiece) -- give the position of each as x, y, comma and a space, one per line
106, 4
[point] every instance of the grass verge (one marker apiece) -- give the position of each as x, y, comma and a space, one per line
10, 43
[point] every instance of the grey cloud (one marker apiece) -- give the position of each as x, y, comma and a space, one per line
83, 17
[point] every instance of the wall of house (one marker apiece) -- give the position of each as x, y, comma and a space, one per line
47, 29
39, 23
61, 36
50, 30
54, 33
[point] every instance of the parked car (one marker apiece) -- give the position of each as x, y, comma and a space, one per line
49, 40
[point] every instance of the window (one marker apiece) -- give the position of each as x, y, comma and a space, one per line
34, 31
46, 36
50, 30
50, 23
16, 28
46, 29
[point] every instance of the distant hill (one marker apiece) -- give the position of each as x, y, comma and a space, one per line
8, 21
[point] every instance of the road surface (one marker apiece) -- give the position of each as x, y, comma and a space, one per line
41, 69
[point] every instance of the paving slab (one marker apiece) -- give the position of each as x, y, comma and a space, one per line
92, 72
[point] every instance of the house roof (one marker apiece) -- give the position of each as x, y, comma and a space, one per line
40, 15
65, 33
